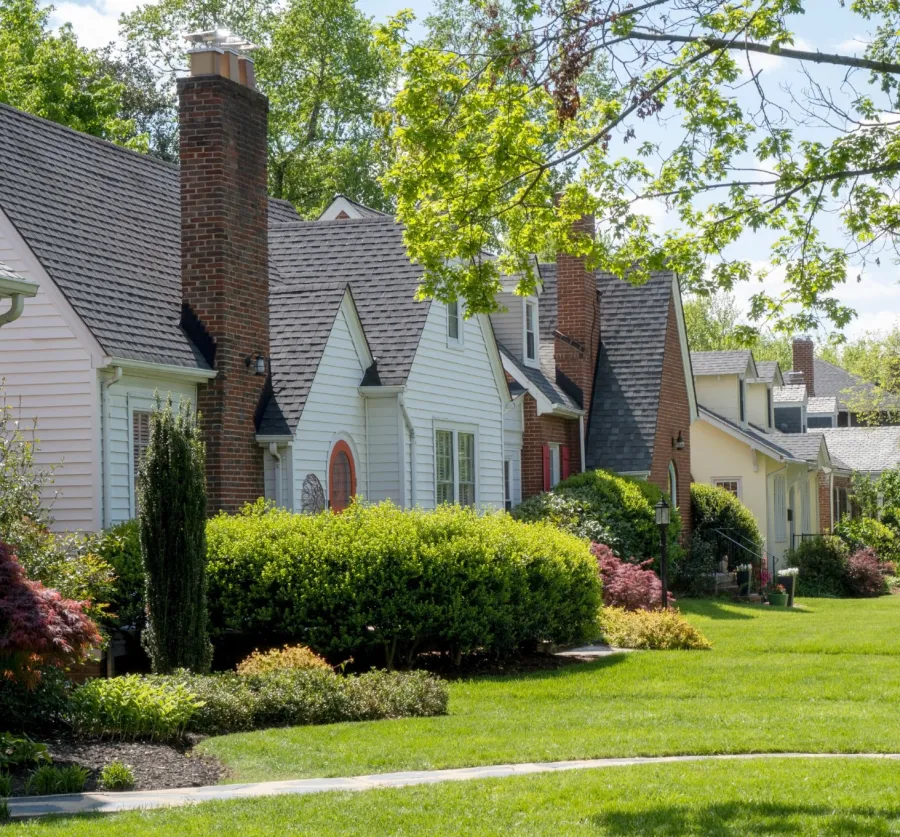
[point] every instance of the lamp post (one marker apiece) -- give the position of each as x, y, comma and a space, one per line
662, 520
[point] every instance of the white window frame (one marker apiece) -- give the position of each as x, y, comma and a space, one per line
742, 401
458, 341
555, 464
134, 410
512, 469
717, 482
531, 303
455, 429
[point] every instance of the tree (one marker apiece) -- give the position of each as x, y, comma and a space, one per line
691, 122
50, 75
172, 514
328, 73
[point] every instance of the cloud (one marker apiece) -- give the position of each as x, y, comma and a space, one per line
96, 22
854, 45
754, 62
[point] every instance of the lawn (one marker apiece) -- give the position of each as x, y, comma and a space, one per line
723, 799
825, 679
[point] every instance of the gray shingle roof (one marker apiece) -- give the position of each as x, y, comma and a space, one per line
6, 272
370, 256
105, 224
821, 405
864, 448
730, 362
539, 378
300, 320
802, 445
834, 382
767, 370
751, 433
790, 394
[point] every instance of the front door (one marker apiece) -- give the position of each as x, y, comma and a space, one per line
341, 477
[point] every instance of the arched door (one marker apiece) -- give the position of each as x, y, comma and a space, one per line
341, 477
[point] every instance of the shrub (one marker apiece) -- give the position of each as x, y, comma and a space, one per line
864, 578
658, 630
605, 508
49, 780
626, 585
20, 751
117, 776
39, 704
132, 707
120, 547
716, 510
863, 532
172, 492
823, 567
5, 786
695, 573
380, 577
38, 627
291, 656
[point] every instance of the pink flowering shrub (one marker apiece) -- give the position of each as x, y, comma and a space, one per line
863, 575
38, 627
626, 585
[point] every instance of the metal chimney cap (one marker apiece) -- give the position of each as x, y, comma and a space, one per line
219, 39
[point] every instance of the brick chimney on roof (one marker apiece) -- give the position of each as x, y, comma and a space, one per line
804, 362
224, 256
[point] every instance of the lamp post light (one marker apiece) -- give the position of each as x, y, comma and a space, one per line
662, 520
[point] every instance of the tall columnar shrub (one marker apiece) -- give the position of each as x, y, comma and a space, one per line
172, 513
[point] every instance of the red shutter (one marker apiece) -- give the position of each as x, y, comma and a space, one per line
564, 456
546, 453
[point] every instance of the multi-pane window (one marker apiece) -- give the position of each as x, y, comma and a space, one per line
732, 486
140, 439
453, 324
530, 331
454, 466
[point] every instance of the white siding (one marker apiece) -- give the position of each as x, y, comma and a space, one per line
287, 477
513, 429
508, 324
458, 388
334, 409
384, 449
48, 366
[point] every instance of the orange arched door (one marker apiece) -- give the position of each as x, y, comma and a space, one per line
341, 477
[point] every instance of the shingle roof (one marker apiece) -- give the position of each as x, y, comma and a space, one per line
105, 224
365, 211
802, 445
6, 272
790, 394
538, 377
370, 256
821, 405
835, 382
750, 433
766, 370
864, 448
730, 362
300, 320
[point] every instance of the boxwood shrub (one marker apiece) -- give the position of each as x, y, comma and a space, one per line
405, 581
716, 510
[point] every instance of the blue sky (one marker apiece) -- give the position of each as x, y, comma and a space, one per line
829, 28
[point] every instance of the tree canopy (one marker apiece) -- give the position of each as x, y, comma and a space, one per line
686, 118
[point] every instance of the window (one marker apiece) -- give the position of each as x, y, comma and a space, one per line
454, 467
454, 326
841, 505
530, 331
555, 469
673, 485
780, 511
741, 398
512, 479
731, 484
341, 477
140, 438
769, 417
507, 484
804, 508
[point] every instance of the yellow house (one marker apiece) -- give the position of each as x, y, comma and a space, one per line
735, 446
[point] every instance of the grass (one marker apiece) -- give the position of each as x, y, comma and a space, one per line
722, 799
825, 679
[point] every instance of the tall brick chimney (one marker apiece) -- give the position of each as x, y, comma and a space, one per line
803, 362
224, 256
578, 318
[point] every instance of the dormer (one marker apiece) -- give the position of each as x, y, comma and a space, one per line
721, 381
517, 323
791, 401
761, 396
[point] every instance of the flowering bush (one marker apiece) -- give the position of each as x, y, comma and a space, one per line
788, 571
658, 630
38, 627
627, 585
291, 656
863, 576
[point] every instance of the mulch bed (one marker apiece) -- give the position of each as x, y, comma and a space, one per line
155, 766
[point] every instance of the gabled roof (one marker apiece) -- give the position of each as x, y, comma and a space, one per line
834, 382
769, 371
370, 256
806, 446
790, 394
757, 439
872, 449
536, 381
105, 224
350, 208
821, 405
727, 362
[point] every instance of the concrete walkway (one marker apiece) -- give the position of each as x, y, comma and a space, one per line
82, 803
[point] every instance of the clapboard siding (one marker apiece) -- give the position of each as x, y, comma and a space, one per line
384, 449
508, 324
513, 430
49, 370
270, 467
334, 409
458, 387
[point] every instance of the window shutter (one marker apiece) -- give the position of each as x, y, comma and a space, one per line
564, 457
546, 454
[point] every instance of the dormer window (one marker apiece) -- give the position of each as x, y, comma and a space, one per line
531, 331
770, 420
454, 325
743, 406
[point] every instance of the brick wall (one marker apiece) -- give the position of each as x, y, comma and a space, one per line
803, 362
828, 486
225, 272
674, 417
539, 431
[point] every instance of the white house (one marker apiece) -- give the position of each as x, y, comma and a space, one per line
14, 289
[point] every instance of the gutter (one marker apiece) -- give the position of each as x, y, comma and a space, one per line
16, 290
412, 451
104, 430
191, 372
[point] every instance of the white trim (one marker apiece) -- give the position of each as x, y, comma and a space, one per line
738, 480
455, 428
357, 332
190, 373
673, 480
536, 360
544, 405
380, 392
748, 440
490, 342
685, 349
340, 436
457, 343
555, 451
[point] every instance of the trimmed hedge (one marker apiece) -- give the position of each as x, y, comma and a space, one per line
606, 508
715, 509
823, 566
405, 581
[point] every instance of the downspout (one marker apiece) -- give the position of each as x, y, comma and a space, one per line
104, 430
412, 452
273, 450
368, 493
17, 306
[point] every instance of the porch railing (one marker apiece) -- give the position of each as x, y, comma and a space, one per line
738, 550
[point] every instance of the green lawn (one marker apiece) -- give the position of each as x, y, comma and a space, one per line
826, 679
712, 799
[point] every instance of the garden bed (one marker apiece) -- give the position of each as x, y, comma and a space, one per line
156, 766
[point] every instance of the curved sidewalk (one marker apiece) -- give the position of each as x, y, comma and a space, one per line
83, 803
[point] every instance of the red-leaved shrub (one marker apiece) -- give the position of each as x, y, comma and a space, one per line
627, 585
863, 575
38, 627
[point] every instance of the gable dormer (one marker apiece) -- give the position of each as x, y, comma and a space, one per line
517, 324
721, 381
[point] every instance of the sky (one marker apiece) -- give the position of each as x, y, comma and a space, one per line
876, 297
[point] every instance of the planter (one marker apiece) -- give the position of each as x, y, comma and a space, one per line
778, 599
743, 582
789, 582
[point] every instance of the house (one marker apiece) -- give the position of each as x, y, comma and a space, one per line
316, 373
15, 289
600, 377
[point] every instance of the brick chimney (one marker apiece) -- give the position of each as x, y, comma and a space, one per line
803, 362
224, 256
578, 318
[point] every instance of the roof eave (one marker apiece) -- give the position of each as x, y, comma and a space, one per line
194, 373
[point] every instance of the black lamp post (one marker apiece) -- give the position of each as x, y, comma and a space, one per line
662, 520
